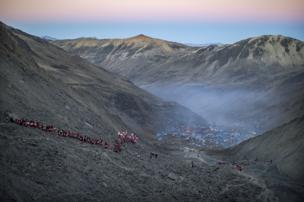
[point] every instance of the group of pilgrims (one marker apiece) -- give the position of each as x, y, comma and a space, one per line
123, 137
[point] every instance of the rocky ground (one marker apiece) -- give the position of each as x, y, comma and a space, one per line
38, 167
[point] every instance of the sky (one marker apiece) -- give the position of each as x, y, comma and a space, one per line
186, 21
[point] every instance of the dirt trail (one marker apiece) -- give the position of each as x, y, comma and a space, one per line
194, 153
265, 195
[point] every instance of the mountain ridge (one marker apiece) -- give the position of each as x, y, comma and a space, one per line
258, 65
266, 50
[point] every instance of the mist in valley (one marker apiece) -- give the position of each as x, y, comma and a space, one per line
228, 107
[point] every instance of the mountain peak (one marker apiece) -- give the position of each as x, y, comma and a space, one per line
140, 37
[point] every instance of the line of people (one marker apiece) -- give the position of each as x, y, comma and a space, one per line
123, 137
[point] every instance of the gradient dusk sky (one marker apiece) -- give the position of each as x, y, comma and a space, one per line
187, 21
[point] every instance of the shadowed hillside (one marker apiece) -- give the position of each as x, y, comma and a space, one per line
274, 157
284, 145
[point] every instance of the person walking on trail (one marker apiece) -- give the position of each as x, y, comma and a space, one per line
106, 145
238, 167
153, 155
117, 148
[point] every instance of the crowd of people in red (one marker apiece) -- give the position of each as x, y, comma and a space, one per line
123, 137
235, 165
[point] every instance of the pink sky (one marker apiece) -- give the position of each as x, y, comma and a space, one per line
152, 10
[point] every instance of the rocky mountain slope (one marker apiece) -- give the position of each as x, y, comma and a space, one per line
259, 56
283, 145
277, 154
254, 83
38, 71
41, 82
124, 55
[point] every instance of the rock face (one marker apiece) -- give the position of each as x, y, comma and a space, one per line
254, 83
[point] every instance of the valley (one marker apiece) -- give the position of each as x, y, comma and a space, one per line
252, 86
